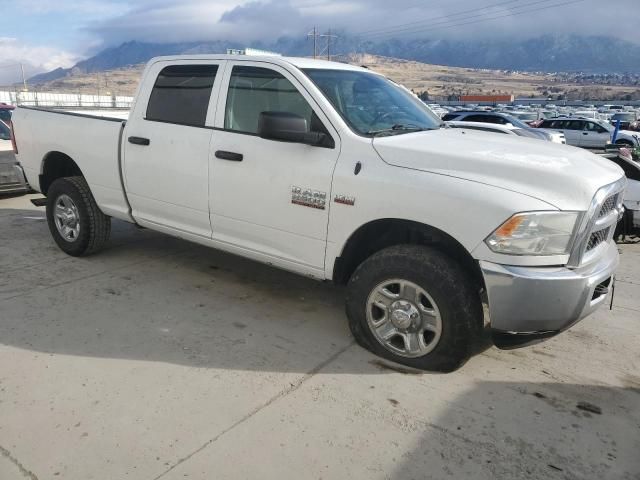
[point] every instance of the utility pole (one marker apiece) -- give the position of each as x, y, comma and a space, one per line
328, 36
24, 80
314, 33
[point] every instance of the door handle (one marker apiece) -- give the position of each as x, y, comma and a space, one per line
585, 133
139, 141
234, 157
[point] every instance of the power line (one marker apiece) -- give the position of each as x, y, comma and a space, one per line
314, 33
480, 20
328, 36
463, 12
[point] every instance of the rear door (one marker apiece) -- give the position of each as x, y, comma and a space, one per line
572, 130
269, 197
166, 145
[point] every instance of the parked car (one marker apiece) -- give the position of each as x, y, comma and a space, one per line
581, 132
334, 172
494, 128
11, 175
498, 118
628, 121
630, 224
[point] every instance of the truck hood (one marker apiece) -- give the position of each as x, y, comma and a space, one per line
565, 177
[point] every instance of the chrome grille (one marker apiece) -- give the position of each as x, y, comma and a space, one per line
596, 238
598, 224
608, 205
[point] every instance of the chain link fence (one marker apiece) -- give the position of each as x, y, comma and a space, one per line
35, 98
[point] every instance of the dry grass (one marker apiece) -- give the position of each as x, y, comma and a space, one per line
438, 80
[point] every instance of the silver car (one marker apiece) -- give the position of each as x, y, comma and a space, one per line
588, 133
498, 118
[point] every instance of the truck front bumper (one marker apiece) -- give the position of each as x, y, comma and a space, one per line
530, 304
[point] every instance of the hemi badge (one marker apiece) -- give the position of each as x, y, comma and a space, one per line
345, 200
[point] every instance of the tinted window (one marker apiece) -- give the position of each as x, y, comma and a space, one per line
181, 94
594, 127
5, 133
575, 125
5, 115
485, 119
450, 116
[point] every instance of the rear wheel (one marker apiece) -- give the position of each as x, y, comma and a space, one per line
414, 305
75, 221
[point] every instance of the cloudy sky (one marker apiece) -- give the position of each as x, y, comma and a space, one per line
45, 34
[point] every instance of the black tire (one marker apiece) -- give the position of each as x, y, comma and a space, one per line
624, 226
449, 286
95, 226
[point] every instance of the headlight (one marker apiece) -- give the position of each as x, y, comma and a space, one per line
535, 233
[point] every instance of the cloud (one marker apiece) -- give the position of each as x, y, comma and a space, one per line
35, 59
193, 20
84, 7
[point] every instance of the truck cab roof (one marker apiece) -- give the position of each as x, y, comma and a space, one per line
299, 62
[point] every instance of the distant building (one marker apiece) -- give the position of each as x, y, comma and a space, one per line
252, 51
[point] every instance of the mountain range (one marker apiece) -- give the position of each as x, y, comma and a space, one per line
547, 53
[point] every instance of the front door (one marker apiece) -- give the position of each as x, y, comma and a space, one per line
595, 136
166, 147
269, 197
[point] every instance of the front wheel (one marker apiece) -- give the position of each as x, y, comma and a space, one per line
75, 221
414, 305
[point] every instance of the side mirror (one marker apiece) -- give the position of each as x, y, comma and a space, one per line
288, 127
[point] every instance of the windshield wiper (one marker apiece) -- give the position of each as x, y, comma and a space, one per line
399, 128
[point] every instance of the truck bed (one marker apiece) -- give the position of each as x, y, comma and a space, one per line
93, 142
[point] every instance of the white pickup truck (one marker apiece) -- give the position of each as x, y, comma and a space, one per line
335, 172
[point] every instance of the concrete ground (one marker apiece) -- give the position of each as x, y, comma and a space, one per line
162, 359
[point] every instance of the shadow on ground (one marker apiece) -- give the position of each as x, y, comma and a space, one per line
152, 297
507, 430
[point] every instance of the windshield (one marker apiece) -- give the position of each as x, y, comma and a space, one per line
372, 104
530, 133
516, 122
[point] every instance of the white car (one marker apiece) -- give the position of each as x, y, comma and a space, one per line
581, 132
555, 137
335, 172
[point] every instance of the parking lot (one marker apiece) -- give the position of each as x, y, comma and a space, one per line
162, 359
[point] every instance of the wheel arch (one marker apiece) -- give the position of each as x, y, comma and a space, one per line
56, 165
382, 233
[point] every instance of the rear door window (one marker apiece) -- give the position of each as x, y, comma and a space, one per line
181, 94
